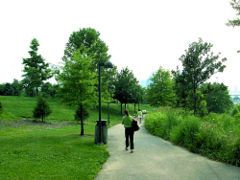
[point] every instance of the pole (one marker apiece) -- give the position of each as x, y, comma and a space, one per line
108, 114
99, 104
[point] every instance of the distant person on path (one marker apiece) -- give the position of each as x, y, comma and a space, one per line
129, 133
139, 115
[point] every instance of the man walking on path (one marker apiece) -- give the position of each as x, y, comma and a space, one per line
156, 159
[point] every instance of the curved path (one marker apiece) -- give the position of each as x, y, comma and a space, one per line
157, 159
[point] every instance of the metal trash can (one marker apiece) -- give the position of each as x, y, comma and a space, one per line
101, 132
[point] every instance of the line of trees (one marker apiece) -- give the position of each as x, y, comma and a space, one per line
76, 78
187, 87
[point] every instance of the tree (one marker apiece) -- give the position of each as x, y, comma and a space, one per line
217, 97
80, 115
160, 92
17, 87
35, 70
236, 6
42, 110
199, 64
49, 90
88, 42
125, 87
77, 82
8, 90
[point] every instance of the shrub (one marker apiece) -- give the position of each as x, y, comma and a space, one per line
236, 152
236, 110
42, 109
186, 133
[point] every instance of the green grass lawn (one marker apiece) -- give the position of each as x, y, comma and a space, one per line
53, 150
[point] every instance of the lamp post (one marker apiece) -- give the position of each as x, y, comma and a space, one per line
99, 126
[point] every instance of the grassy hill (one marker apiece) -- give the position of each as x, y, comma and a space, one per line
53, 150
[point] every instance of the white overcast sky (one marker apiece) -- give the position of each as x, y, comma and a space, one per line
140, 34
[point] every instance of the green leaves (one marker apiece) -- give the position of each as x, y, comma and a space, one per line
199, 64
36, 70
127, 89
160, 92
42, 109
236, 6
77, 81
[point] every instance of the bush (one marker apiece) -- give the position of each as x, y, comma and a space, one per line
236, 110
215, 135
42, 110
186, 133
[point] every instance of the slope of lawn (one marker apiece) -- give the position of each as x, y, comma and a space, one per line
52, 150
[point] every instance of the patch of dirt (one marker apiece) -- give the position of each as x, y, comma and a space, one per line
28, 123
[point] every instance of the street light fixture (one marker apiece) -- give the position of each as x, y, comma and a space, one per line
101, 125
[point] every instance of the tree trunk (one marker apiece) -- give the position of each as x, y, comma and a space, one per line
121, 108
82, 128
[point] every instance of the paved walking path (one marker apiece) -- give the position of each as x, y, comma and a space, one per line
157, 159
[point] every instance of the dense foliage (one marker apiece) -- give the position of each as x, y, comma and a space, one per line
77, 82
36, 70
11, 89
126, 87
217, 97
42, 110
216, 136
199, 64
160, 92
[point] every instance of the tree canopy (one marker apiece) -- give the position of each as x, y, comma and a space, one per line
36, 71
125, 87
217, 97
199, 64
160, 92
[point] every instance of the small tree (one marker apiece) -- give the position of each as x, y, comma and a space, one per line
42, 109
1, 108
80, 115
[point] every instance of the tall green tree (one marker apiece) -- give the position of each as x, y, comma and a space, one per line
36, 70
125, 87
160, 92
199, 64
217, 97
87, 41
236, 6
77, 82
